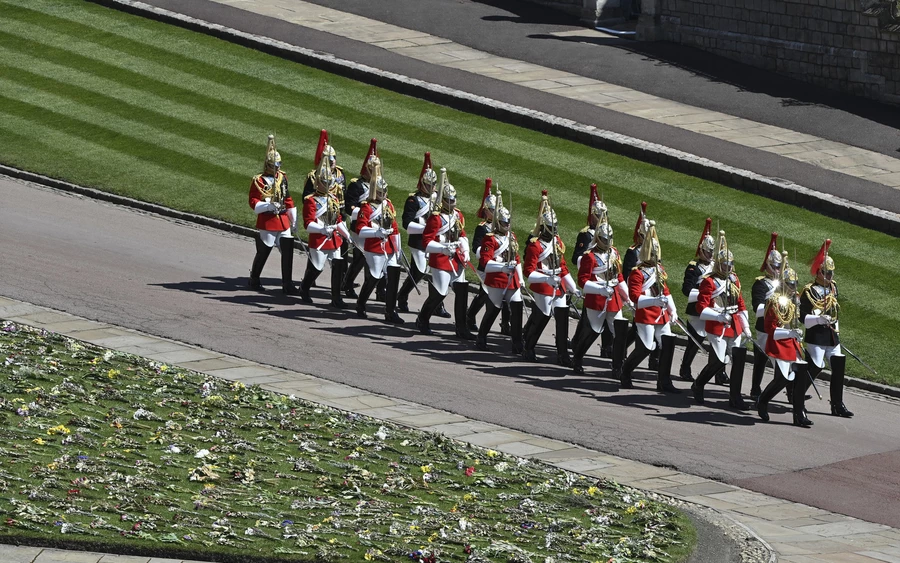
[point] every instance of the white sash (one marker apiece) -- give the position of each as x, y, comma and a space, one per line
546, 250
321, 206
648, 283
445, 225
423, 209
504, 244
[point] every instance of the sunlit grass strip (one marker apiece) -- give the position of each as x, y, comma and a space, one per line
106, 449
161, 114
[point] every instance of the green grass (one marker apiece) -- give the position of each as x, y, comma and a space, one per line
158, 113
105, 450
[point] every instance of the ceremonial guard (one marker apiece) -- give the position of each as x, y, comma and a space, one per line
327, 232
376, 227
485, 227
550, 280
696, 269
819, 311
763, 289
325, 150
605, 290
276, 220
782, 325
632, 255
448, 254
654, 310
357, 193
503, 280
597, 214
416, 211
721, 306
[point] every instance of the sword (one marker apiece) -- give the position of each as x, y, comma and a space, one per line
852, 355
811, 380
684, 329
405, 263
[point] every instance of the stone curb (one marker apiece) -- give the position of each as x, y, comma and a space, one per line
773, 188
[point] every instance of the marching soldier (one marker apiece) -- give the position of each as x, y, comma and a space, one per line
416, 211
597, 214
604, 289
632, 255
376, 226
357, 193
327, 232
550, 280
654, 310
721, 306
693, 274
503, 278
819, 310
486, 213
782, 325
325, 150
763, 289
276, 219
448, 254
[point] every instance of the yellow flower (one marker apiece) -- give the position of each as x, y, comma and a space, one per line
39, 441
432, 537
163, 367
52, 466
332, 540
631, 510
425, 468
593, 491
576, 491
61, 429
112, 373
492, 453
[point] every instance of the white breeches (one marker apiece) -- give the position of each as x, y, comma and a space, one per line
818, 353
699, 326
441, 279
273, 238
784, 367
546, 303
419, 258
651, 335
722, 346
498, 295
378, 263
601, 319
318, 257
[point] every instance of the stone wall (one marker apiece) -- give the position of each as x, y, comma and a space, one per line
847, 45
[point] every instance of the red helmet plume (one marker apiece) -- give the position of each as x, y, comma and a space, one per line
373, 151
773, 245
820, 258
425, 166
323, 140
594, 197
641, 218
487, 191
704, 235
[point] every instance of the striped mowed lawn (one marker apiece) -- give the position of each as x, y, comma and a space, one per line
158, 113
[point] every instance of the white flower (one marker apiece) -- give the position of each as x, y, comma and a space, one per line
174, 449
463, 524
142, 413
382, 433
201, 454
501, 467
107, 356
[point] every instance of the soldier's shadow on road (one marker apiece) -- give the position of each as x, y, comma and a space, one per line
236, 290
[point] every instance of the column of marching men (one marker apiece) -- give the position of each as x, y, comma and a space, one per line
797, 328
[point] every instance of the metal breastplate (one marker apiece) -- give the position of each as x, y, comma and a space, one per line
327, 209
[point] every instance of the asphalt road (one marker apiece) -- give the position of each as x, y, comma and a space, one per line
188, 283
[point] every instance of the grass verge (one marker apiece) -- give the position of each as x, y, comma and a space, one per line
158, 113
106, 450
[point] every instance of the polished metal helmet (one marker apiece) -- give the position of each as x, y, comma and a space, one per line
429, 180
603, 236
651, 251
273, 159
503, 218
723, 259
490, 202
324, 177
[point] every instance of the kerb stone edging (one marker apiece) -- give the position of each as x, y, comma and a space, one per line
745, 180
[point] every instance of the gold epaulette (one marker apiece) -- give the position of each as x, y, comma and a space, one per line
413, 194
353, 180
314, 194
692, 263
585, 229
759, 278
341, 168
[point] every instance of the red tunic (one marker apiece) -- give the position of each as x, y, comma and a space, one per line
586, 274
270, 221
532, 262
647, 315
432, 227
705, 299
374, 244
312, 206
499, 280
784, 349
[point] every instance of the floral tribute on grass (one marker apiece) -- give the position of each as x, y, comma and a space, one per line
105, 449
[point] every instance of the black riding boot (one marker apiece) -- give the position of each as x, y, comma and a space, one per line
287, 266
762, 404
838, 366
460, 302
309, 278
690, 352
408, 286
381, 290
738, 359
653, 362
365, 291
759, 369
666, 356
633, 361
712, 368
487, 321
561, 315
802, 382
516, 310
620, 346
262, 254
533, 329
338, 267
504, 319
472, 313
432, 302
606, 343
390, 296
356, 266
581, 342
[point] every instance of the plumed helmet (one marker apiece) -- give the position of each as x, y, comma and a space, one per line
822, 262
503, 215
603, 236
273, 159
596, 208
372, 152
642, 227
723, 259
324, 148
772, 261
707, 243
427, 177
490, 202
651, 251
377, 183
324, 177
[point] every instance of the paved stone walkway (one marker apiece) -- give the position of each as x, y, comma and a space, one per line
798, 533
439, 51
